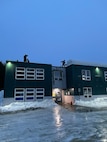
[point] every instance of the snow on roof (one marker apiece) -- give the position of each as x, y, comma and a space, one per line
73, 62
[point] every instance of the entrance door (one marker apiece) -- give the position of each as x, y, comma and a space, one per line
87, 92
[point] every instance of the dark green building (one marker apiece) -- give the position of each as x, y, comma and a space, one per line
27, 81
2, 75
86, 81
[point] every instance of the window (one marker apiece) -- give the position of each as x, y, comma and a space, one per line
105, 75
87, 91
20, 73
86, 75
69, 92
40, 93
39, 74
19, 93
30, 73
30, 93
58, 75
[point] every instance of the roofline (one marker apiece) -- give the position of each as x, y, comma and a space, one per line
27, 62
73, 62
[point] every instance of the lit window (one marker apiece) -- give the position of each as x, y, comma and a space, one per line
30, 73
105, 75
39, 74
86, 75
20, 73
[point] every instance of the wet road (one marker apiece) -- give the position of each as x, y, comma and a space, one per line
54, 124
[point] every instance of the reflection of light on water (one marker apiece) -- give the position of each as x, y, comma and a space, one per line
104, 140
57, 117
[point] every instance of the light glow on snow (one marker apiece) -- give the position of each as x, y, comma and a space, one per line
96, 103
19, 106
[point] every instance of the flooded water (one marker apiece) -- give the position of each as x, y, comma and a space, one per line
54, 124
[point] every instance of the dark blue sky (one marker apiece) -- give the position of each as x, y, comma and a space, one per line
52, 30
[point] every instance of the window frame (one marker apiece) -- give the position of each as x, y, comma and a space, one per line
28, 74
20, 72
19, 97
60, 72
86, 76
28, 92
41, 91
40, 75
87, 94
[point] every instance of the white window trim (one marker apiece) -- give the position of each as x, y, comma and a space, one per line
86, 77
87, 94
42, 76
16, 92
36, 74
30, 75
40, 90
27, 93
18, 71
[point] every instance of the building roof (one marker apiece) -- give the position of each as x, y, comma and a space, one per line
73, 62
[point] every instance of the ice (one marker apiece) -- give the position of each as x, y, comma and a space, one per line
52, 124
96, 103
18, 106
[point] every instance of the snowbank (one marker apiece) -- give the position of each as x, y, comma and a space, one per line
96, 103
19, 106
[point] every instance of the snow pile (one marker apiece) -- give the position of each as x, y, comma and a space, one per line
96, 103
20, 106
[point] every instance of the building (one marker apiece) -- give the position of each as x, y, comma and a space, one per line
86, 81
25, 81
59, 85
2, 75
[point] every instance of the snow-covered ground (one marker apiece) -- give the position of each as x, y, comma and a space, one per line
20, 106
51, 123
95, 103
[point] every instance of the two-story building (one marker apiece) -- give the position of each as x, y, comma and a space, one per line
86, 81
25, 81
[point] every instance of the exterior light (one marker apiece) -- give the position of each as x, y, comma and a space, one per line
9, 64
97, 70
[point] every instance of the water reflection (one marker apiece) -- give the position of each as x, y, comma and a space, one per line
57, 116
104, 140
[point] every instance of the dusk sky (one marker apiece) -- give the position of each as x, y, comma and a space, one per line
50, 31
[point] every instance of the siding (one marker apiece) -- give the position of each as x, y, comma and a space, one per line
11, 82
74, 79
